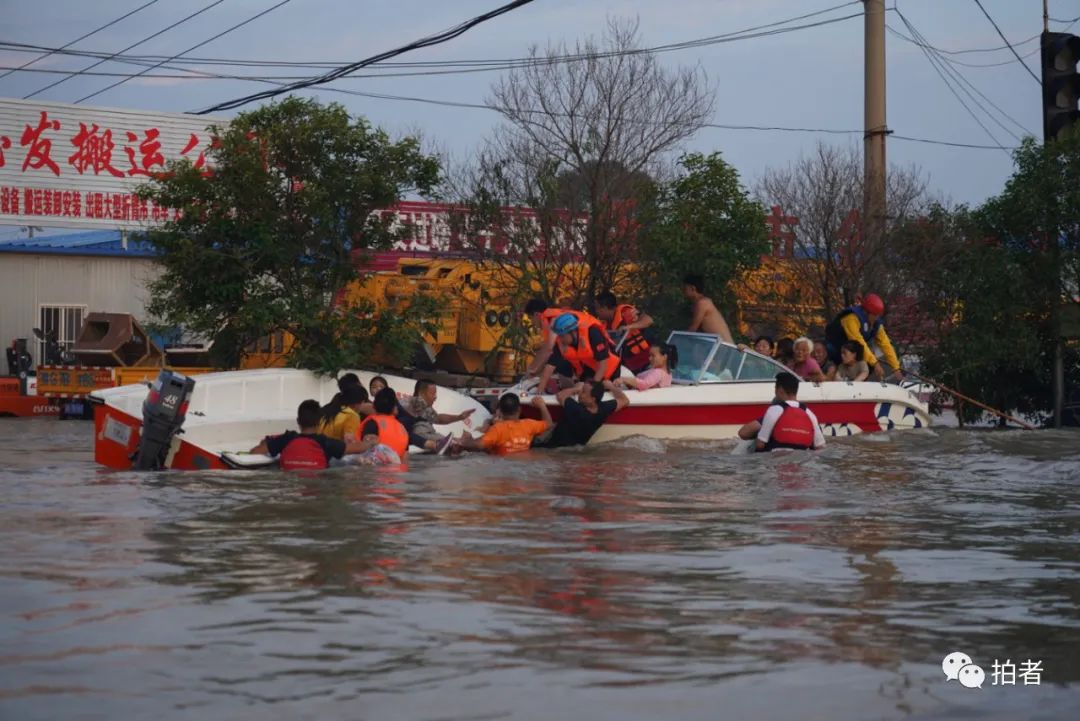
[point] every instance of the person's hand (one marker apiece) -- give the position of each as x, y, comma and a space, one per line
742, 347
878, 372
465, 414
608, 385
537, 401
899, 374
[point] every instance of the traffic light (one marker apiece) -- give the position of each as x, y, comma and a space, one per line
1061, 85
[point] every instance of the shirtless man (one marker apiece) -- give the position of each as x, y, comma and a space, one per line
707, 318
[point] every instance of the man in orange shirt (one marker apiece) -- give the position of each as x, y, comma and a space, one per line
511, 433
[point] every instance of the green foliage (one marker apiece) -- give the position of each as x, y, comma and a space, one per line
703, 222
998, 281
268, 241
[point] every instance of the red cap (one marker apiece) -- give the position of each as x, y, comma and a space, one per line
873, 304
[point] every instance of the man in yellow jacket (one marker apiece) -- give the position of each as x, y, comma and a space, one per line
863, 324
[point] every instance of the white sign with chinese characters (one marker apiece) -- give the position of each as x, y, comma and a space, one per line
75, 166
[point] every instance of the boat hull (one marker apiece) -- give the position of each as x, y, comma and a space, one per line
717, 411
233, 411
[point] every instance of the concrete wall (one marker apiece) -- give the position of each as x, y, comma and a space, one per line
101, 283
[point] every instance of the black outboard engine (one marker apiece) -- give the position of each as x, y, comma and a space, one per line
163, 415
20, 363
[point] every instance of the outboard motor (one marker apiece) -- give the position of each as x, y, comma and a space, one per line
20, 363
163, 415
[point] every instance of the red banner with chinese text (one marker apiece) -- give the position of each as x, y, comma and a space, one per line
75, 166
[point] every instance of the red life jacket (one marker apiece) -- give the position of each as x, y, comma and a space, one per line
302, 453
392, 434
793, 429
580, 355
635, 349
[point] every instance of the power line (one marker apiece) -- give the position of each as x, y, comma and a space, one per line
465, 65
81, 37
954, 61
193, 47
957, 75
1018, 58
346, 69
481, 65
941, 71
948, 143
129, 47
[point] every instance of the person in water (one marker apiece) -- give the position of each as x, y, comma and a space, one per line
307, 449
584, 411
384, 440
864, 324
663, 359
511, 433
706, 317
421, 406
341, 416
787, 423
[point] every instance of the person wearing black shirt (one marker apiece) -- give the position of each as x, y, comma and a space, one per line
306, 450
582, 416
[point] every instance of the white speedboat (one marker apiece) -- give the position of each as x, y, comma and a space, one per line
717, 388
230, 412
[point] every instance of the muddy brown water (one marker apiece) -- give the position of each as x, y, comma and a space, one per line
634, 581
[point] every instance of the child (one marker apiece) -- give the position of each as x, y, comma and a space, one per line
663, 358
511, 433
384, 441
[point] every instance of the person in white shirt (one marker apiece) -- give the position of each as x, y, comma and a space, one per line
787, 423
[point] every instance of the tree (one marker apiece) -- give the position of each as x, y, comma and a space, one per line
824, 192
997, 280
581, 143
703, 221
270, 238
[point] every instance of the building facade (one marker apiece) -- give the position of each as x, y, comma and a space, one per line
53, 282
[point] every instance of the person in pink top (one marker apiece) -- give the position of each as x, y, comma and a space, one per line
803, 364
663, 358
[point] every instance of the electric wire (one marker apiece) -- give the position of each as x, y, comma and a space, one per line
1018, 58
957, 75
193, 47
938, 67
437, 39
509, 65
499, 63
81, 37
129, 47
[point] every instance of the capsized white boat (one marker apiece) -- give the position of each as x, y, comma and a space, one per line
231, 412
717, 388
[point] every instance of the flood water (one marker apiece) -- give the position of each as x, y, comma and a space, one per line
636, 581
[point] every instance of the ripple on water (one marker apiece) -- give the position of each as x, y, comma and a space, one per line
636, 580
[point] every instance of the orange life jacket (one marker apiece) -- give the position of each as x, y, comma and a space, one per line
635, 345
580, 355
392, 433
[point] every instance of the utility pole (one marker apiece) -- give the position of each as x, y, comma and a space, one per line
1046, 16
876, 127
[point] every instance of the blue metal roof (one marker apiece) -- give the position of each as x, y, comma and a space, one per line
94, 242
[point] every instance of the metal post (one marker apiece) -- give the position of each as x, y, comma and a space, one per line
876, 127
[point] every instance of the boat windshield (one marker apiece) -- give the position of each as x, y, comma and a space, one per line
704, 358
